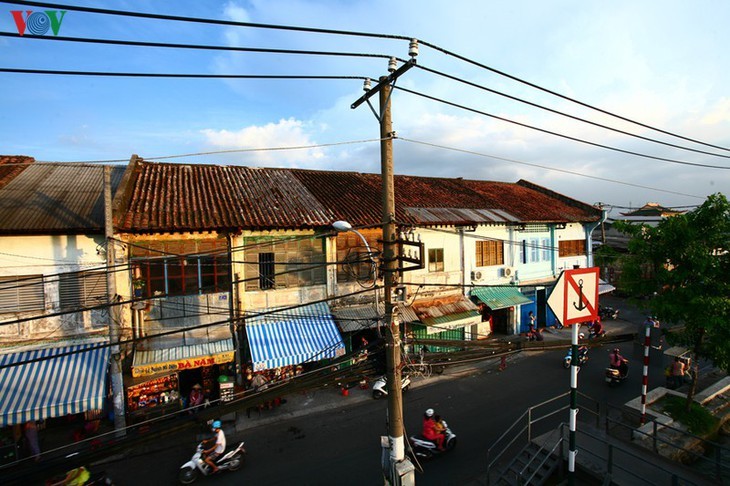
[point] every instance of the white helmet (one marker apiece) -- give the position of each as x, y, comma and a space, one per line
429, 412
581, 335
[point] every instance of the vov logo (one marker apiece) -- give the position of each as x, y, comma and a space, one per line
38, 23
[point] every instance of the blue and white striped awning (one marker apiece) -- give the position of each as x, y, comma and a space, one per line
293, 336
52, 382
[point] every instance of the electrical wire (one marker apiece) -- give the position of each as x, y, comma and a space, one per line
174, 75
564, 171
572, 117
357, 34
557, 134
88, 40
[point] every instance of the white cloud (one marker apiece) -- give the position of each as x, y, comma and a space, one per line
285, 133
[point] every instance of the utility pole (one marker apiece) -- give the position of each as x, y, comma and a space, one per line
400, 469
115, 367
392, 335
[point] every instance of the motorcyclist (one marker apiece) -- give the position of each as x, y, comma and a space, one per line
618, 362
596, 330
429, 429
218, 448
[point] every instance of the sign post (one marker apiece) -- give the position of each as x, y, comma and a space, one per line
574, 300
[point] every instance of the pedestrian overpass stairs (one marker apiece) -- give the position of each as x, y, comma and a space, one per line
533, 465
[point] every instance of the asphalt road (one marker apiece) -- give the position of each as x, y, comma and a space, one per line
343, 446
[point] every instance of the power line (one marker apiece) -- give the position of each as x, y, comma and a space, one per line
231, 23
356, 34
557, 112
567, 98
208, 47
565, 171
550, 132
175, 75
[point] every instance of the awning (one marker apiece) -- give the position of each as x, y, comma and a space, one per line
357, 318
293, 336
182, 357
500, 297
446, 313
604, 287
53, 382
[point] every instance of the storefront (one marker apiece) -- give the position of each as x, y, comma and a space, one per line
42, 384
286, 337
502, 303
433, 322
163, 379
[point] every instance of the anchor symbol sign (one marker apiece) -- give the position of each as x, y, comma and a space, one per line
581, 304
574, 298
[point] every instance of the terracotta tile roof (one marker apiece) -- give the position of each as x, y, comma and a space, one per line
11, 166
172, 197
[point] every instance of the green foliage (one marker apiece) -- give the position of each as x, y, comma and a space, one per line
682, 266
698, 419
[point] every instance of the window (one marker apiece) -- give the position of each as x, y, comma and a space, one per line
568, 248
534, 250
351, 250
278, 263
21, 294
489, 252
436, 260
82, 289
182, 267
546, 249
267, 272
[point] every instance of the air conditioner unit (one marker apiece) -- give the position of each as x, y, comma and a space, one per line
476, 275
508, 271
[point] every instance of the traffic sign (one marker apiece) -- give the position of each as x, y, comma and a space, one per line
575, 296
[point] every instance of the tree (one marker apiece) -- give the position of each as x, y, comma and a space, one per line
683, 266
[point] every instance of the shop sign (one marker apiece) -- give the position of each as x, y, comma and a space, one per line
183, 364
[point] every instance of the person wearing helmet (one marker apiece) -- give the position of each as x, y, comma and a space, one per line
429, 429
220, 445
618, 362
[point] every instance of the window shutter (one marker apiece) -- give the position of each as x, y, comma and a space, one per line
21, 294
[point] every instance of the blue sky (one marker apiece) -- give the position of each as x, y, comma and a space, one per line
663, 63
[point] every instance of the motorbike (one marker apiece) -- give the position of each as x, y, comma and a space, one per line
615, 376
582, 356
425, 449
607, 312
230, 461
380, 386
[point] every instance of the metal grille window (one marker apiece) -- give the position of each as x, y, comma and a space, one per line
82, 289
489, 252
436, 260
279, 263
568, 248
22, 294
181, 267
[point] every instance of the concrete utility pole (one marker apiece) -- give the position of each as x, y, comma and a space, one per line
393, 356
115, 367
400, 469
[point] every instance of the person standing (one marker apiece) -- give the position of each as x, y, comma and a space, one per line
678, 370
30, 431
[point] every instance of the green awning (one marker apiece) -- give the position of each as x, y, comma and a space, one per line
500, 297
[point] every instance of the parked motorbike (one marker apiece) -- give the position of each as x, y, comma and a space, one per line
423, 448
582, 356
607, 312
230, 461
617, 376
380, 386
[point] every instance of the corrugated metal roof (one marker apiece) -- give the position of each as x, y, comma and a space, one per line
11, 166
500, 297
357, 318
55, 198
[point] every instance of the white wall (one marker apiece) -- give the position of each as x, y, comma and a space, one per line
48, 256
